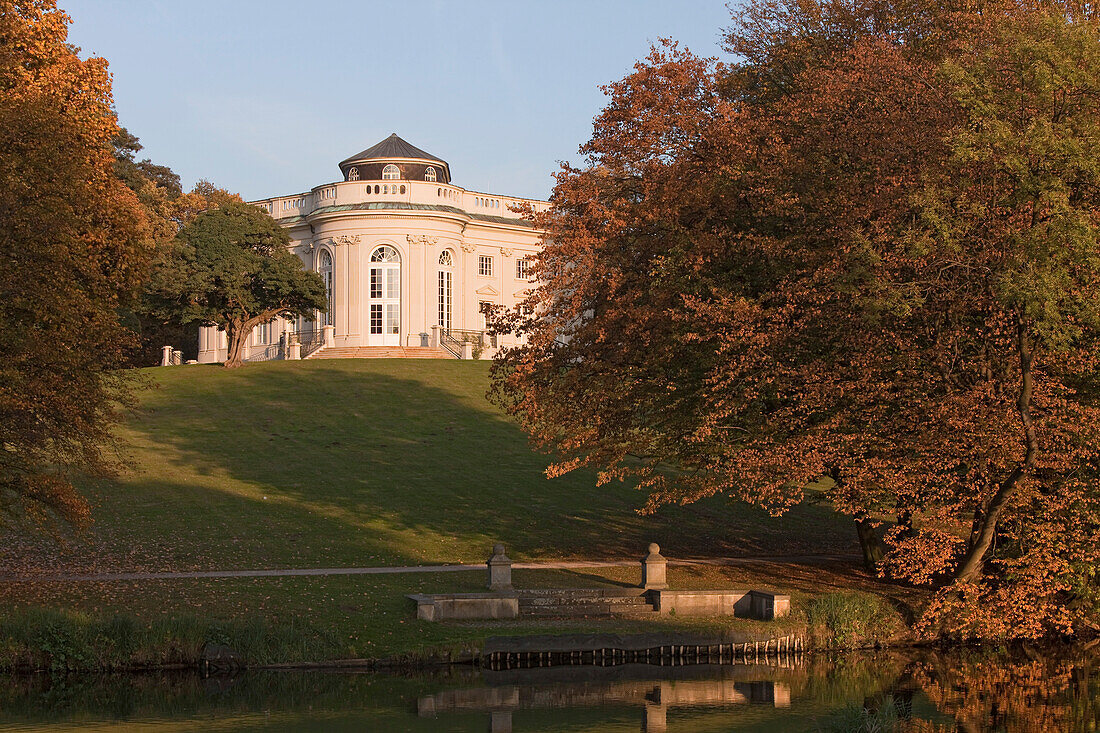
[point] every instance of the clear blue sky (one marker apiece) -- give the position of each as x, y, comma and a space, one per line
265, 98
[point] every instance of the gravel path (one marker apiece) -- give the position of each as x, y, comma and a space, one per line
391, 570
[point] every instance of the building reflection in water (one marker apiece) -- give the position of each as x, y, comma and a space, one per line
654, 690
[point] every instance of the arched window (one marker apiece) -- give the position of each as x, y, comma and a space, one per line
324, 267
391, 173
429, 174
353, 174
402, 189
385, 253
444, 288
385, 188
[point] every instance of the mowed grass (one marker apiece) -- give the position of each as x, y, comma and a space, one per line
369, 462
296, 619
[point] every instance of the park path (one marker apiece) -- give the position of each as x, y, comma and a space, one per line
398, 569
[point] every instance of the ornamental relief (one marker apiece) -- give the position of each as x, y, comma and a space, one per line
421, 239
506, 251
468, 248
340, 239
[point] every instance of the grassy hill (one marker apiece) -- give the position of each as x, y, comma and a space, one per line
371, 462
353, 463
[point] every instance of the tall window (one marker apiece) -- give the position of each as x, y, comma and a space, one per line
485, 265
486, 309
261, 335
391, 173
446, 262
429, 174
324, 267
523, 268
385, 297
353, 174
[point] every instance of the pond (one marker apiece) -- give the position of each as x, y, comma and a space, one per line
966, 690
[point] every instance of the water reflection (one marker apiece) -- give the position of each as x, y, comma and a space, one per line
966, 690
652, 691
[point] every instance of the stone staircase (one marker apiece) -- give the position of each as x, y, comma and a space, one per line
379, 352
586, 603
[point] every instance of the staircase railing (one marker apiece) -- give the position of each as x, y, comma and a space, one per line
451, 344
267, 352
452, 340
311, 340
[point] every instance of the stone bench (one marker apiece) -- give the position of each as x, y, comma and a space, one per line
465, 606
757, 604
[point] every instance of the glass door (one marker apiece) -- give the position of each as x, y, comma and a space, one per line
385, 298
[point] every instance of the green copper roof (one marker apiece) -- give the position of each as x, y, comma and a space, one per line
402, 206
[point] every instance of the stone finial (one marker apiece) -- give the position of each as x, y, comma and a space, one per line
500, 570
653, 569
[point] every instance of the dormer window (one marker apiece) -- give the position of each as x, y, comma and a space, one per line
353, 174
391, 173
429, 174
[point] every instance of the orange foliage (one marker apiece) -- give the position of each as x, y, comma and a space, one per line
73, 243
865, 252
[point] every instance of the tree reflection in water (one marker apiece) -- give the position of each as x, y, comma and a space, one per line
1018, 689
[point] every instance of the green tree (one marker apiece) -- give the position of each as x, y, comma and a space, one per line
231, 268
73, 251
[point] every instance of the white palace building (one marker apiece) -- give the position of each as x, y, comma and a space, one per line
411, 262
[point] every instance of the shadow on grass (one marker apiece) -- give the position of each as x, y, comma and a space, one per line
378, 462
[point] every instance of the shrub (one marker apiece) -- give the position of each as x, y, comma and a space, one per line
852, 619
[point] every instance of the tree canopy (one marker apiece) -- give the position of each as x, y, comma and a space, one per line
231, 268
862, 256
73, 251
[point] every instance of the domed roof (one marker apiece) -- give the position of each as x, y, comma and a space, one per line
392, 148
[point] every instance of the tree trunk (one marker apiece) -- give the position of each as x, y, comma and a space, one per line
236, 332
985, 518
869, 544
235, 335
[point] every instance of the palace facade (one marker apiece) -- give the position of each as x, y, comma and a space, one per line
411, 262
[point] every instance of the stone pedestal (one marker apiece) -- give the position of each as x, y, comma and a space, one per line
467, 350
294, 350
423, 340
166, 356
500, 570
436, 331
177, 356
329, 336
653, 569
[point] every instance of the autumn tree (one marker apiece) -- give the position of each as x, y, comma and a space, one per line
863, 254
72, 253
231, 267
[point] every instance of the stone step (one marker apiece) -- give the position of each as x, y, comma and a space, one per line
380, 352
580, 593
610, 601
589, 610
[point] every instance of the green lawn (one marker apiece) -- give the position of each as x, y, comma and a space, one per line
370, 462
353, 463
339, 617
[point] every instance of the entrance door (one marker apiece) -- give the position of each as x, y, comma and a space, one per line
385, 297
